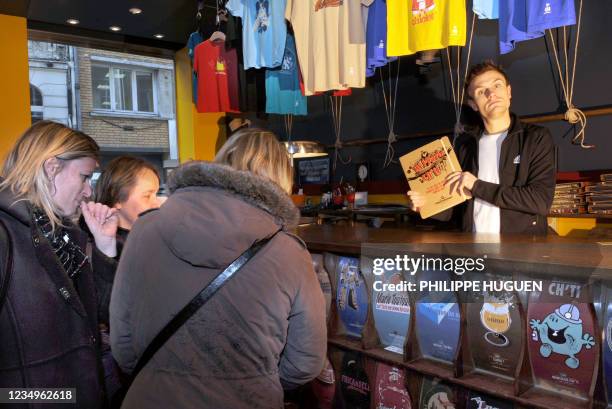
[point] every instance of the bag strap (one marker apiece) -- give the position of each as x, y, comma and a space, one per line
6, 262
197, 302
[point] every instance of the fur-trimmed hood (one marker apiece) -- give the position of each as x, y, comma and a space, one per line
214, 213
255, 190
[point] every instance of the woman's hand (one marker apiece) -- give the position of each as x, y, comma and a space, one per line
102, 222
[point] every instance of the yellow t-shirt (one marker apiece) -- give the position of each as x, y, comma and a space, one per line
418, 25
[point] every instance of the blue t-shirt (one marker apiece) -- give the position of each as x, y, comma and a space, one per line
512, 23
486, 9
264, 31
521, 20
283, 95
194, 39
376, 37
547, 14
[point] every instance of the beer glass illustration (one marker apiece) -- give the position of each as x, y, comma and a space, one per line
495, 317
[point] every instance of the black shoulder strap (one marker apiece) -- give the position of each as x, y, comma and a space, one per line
197, 302
6, 262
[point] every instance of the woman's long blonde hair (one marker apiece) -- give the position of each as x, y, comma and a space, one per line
258, 151
23, 170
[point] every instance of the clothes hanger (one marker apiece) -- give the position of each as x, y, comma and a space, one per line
217, 35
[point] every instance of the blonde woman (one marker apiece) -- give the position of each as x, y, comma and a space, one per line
264, 330
48, 322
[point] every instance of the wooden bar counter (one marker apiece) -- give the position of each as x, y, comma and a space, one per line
577, 277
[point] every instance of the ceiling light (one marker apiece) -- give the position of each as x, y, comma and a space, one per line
73, 21
114, 28
135, 10
159, 36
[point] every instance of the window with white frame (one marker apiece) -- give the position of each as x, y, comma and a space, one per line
123, 89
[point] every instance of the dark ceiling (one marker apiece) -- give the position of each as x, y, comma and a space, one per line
175, 19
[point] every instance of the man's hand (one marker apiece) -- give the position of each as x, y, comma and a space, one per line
416, 200
102, 222
461, 183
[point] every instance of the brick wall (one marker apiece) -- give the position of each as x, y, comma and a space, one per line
106, 130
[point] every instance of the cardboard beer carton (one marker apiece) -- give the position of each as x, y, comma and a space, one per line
426, 168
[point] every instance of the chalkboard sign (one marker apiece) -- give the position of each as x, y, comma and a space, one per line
312, 171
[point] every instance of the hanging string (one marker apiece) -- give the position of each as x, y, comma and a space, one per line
390, 110
288, 119
336, 111
457, 86
573, 115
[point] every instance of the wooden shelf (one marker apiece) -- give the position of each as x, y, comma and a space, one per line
582, 216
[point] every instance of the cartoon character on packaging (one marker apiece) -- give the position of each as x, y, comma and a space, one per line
561, 332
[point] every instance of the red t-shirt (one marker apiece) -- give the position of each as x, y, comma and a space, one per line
217, 71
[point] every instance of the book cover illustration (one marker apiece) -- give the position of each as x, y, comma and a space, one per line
478, 400
354, 382
438, 321
426, 168
436, 395
495, 332
561, 341
390, 388
391, 311
352, 296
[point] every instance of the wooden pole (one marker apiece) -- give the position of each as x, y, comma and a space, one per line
538, 118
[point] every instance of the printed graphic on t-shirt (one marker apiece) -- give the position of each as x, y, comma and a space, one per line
220, 68
288, 64
322, 4
262, 18
422, 11
547, 8
422, 6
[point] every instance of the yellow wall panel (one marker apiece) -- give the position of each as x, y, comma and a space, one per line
15, 114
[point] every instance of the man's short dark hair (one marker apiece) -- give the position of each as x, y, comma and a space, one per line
481, 68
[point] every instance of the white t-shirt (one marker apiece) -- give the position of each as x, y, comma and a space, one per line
328, 60
486, 215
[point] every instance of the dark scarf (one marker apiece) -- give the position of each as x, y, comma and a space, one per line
69, 254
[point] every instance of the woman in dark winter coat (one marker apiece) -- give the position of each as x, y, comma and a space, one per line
130, 185
264, 330
48, 318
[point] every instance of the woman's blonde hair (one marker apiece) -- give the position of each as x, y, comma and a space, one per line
23, 170
258, 151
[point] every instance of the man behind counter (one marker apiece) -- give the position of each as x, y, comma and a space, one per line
513, 161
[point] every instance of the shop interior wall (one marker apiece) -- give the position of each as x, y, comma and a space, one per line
14, 81
423, 102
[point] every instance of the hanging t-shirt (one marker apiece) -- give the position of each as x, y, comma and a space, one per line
194, 39
358, 17
251, 83
486, 9
486, 215
512, 25
263, 31
546, 14
283, 95
376, 38
418, 25
328, 61
216, 68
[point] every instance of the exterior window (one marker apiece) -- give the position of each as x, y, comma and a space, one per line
36, 104
123, 89
36, 98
